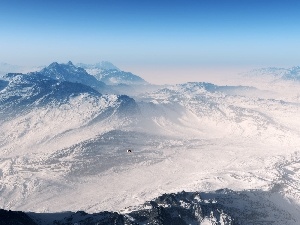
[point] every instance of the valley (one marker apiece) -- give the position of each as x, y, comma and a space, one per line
63, 142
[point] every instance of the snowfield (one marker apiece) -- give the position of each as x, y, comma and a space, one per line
70, 154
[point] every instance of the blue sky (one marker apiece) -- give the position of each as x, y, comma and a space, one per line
159, 40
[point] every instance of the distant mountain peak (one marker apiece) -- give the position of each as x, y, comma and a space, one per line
63, 69
98, 67
110, 74
61, 65
106, 65
291, 74
70, 72
54, 64
114, 77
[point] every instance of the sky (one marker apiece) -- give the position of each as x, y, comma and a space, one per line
161, 41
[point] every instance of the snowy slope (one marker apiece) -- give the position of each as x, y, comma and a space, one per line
25, 92
292, 73
207, 110
63, 145
111, 75
35, 108
279, 83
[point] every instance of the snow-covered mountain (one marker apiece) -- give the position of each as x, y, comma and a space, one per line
292, 73
63, 147
97, 67
111, 75
281, 83
208, 110
223, 206
3, 84
103, 76
29, 91
53, 107
71, 73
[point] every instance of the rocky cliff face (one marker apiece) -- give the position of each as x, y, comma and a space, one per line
222, 207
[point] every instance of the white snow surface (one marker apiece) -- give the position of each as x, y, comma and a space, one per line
188, 137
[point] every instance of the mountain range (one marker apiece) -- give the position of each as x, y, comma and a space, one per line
292, 73
220, 207
65, 131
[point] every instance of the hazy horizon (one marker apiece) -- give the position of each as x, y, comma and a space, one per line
163, 42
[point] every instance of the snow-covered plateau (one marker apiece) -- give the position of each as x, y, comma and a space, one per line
233, 149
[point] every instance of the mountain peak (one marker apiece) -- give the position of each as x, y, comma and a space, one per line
70, 72
105, 65
59, 67
98, 67
114, 77
54, 64
70, 63
292, 74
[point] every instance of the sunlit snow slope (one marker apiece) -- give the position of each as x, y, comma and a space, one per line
63, 144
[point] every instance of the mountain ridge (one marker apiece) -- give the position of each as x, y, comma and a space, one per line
65, 144
69, 72
290, 74
224, 207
